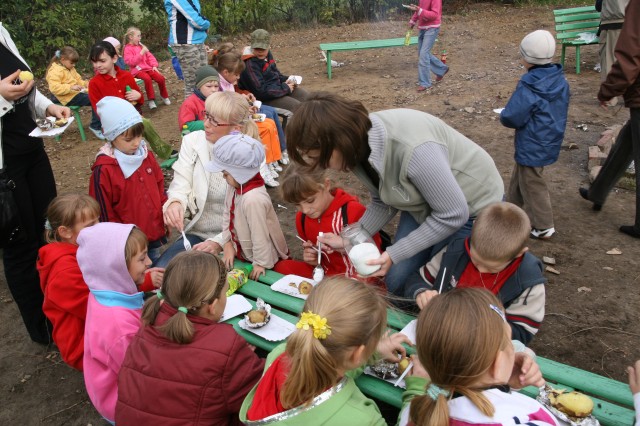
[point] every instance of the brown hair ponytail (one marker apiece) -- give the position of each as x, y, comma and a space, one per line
187, 285
356, 315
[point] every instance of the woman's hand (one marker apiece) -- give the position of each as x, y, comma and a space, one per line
132, 95
156, 276
11, 91
174, 216
526, 372
208, 247
385, 263
257, 272
331, 242
58, 111
391, 345
229, 255
425, 297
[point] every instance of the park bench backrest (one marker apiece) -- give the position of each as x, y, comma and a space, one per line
570, 24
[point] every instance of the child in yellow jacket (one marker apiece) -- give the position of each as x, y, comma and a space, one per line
67, 86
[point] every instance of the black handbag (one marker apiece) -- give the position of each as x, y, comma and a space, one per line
11, 230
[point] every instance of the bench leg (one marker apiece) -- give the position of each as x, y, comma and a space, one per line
329, 64
562, 55
76, 113
577, 59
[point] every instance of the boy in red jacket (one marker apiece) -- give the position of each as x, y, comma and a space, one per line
126, 180
320, 209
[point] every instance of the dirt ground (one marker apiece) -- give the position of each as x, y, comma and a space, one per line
592, 305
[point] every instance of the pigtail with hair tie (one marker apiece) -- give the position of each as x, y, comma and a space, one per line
47, 225
434, 391
160, 295
57, 54
183, 310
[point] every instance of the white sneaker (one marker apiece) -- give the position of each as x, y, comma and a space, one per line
276, 166
542, 234
273, 171
166, 101
285, 158
271, 182
267, 176
152, 104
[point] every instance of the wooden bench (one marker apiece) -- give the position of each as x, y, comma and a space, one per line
570, 23
358, 45
613, 399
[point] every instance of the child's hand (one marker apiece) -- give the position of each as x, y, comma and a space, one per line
144, 49
425, 297
418, 370
154, 69
174, 216
634, 377
132, 95
11, 91
331, 242
59, 111
156, 276
257, 272
76, 87
229, 255
391, 345
292, 86
309, 255
208, 246
526, 372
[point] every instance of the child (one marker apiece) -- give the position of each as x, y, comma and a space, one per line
262, 77
463, 342
217, 368
126, 178
116, 45
191, 113
110, 80
250, 226
65, 293
320, 209
341, 325
538, 111
144, 65
113, 260
230, 65
67, 87
495, 257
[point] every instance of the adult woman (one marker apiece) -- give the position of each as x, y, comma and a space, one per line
410, 162
197, 191
26, 163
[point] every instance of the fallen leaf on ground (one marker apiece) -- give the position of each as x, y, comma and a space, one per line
608, 268
615, 251
584, 290
552, 270
548, 260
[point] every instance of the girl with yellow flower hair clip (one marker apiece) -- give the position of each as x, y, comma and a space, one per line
310, 379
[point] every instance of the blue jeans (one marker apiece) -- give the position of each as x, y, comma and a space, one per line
396, 278
271, 113
427, 62
82, 99
174, 249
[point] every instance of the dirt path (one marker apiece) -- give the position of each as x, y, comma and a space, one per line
594, 330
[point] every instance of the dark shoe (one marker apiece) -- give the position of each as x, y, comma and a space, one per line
423, 89
440, 77
584, 193
630, 230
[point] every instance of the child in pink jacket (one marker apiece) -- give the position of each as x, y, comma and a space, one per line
144, 65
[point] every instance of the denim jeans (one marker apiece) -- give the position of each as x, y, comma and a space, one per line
427, 62
82, 99
396, 278
174, 249
271, 113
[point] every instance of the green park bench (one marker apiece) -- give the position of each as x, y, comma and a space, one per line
571, 23
358, 45
612, 399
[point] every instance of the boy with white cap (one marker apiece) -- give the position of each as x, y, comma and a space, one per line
538, 111
250, 225
126, 179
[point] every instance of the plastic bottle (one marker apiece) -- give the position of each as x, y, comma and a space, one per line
128, 89
238, 277
443, 57
407, 38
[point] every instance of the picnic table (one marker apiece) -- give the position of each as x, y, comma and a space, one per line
613, 400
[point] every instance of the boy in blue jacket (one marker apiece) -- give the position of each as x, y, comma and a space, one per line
538, 111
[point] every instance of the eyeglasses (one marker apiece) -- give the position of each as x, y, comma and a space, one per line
208, 117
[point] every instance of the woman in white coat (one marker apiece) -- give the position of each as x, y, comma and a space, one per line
195, 193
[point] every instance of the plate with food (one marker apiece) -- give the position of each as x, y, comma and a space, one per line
296, 79
389, 371
258, 117
573, 407
50, 127
262, 322
294, 285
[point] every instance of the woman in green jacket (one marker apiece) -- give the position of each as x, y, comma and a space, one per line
310, 379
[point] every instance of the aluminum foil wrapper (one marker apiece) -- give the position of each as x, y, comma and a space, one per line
260, 305
45, 123
543, 398
385, 370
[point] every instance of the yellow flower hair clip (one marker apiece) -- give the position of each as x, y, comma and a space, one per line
309, 320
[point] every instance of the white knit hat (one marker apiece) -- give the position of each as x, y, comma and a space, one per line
237, 154
538, 47
116, 116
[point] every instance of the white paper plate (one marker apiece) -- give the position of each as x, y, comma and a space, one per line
498, 110
276, 330
295, 78
236, 305
409, 330
282, 285
39, 133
